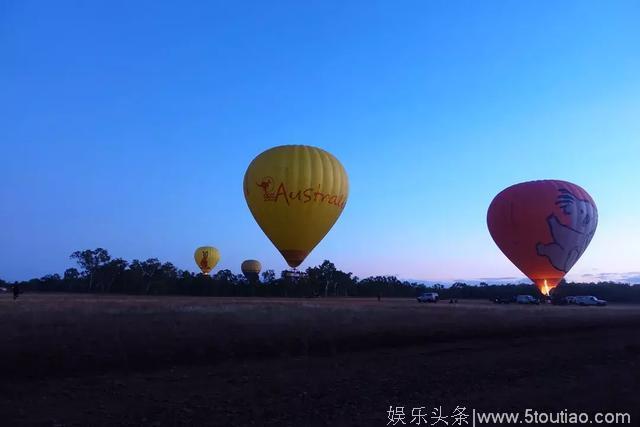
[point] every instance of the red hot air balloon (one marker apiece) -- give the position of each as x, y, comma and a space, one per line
543, 227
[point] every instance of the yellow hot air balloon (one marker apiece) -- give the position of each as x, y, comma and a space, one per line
251, 269
296, 193
206, 257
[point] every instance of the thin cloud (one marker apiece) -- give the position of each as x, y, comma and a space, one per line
628, 277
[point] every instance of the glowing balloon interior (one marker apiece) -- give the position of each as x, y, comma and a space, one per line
543, 227
295, 193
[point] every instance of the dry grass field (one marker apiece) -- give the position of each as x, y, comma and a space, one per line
121, 360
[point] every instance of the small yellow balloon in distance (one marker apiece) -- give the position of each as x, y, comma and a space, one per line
251, 266
206, 257
251, 270
296, 193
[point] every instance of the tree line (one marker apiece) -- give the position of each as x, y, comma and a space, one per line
98, 272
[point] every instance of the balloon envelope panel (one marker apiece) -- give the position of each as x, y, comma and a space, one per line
543, 227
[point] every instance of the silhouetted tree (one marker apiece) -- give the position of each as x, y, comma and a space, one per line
101, 273
324, 274
71, 274
111, 271
90, 261
268, 276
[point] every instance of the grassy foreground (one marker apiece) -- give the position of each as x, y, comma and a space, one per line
57, 334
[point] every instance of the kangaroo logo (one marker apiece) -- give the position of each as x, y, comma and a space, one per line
204, 262
569, 241
267, 187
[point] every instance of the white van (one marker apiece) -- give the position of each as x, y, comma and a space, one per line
428, 297
589, 300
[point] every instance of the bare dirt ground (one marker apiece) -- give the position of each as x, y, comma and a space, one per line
112, 360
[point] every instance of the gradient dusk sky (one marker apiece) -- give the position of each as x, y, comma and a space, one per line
129, 126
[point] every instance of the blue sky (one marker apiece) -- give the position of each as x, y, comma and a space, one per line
129, 126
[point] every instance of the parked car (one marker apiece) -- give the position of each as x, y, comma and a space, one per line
527, 299
502, 300
428, 297
3, 289
560, 300
589, 300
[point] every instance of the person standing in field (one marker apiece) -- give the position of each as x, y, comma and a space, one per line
16, 291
